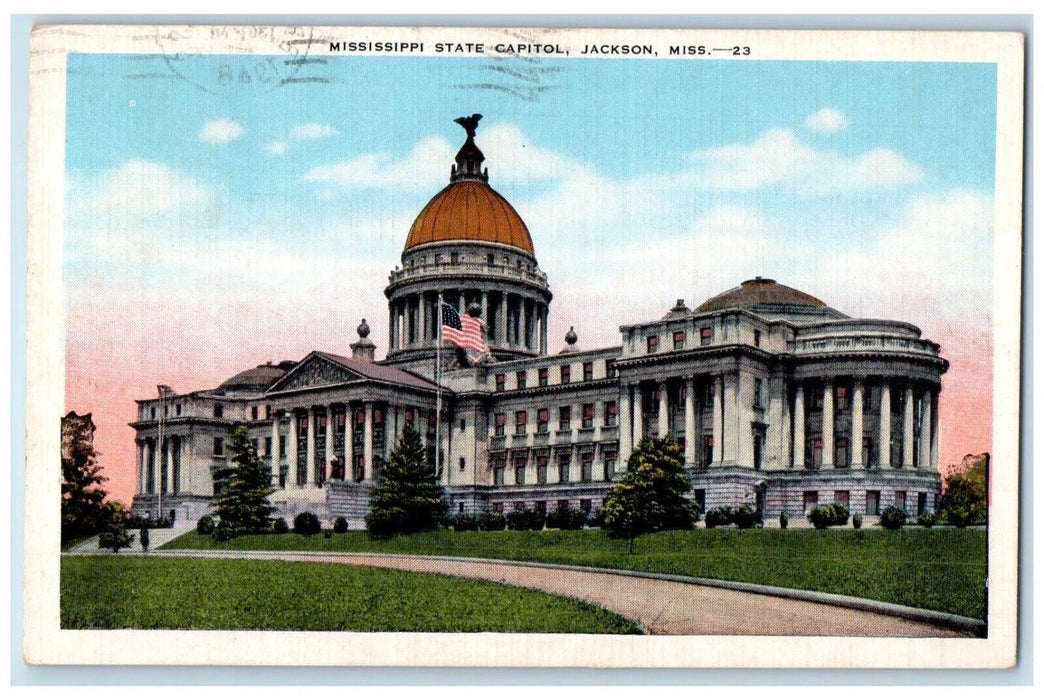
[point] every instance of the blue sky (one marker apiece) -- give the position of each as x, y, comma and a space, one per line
868, 184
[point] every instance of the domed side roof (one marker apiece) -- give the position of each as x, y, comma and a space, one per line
253, 379
761, 292
469, 210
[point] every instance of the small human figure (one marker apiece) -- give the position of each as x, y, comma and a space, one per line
144, 536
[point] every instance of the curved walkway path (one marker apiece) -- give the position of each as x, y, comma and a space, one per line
661, 606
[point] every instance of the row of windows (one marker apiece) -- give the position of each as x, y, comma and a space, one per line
455, 257
565, 375
166, 411
565, 418
652, 342
900, 499
586, 505
520, 462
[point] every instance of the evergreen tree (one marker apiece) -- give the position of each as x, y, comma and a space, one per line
651, 495
408, 497
242, 505
84, 510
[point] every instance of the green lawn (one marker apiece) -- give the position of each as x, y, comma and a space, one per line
176, 593
937, 569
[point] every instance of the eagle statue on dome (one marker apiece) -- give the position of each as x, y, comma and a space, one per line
470, 124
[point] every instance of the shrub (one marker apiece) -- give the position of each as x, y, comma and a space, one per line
306, 524
892, 518
492, 521
205, 525
784, 519
745, 517
840, 514
567, 518
927, 520
280, 527
525, 519
340, 525
822, 517
223, 532
716, 517
465, 522
115, 540
857, 521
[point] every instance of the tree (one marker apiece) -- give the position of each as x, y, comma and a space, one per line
242, 504
84, 509
964, 501
651, 495
408, 497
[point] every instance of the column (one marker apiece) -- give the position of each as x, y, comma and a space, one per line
636, 423
662, 427
329, 456
690, 422
828, 423
291, 450
168, 450
934, 457
885, 436
856, 440
717, 419
625, 421
908, 427
543, 329
925, 444
502, 330
730, 386
799, 426
273, 456
485, 314
462, 305
389, 431
368, 442
349, 442
418, 321
140, 459
310, 448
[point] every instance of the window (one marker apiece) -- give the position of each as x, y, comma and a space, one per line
177, 409
757, 339
817, 452
498, 471
585, 505
541, 506
900, 500
922, 503
521, 418
438, 258
520, 379
463, 425
706, 335
588, 371
498, 507
759, 392
565, 417
699, 499
759, 447
841, 453
585, 466
868, 403
219, 410
253, 413
814, 398
454, 258
708, 450
608, 466
841, 498
841, 398
610, 369
811, 500
268, 411
498, 424
409, 417
542, 376
563, 467
462, 463
679, 340
563, 374
460, 507
253, 446
543, 418
611, 412
541, 461
587, 419
219, 447
489, 259
652, 343
153, 413
563, 504
501, 381
873, 502
519, 462
268, 445
282, 445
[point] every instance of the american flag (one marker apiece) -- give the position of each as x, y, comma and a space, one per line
462, 331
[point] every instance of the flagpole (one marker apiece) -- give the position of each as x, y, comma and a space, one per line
438, 396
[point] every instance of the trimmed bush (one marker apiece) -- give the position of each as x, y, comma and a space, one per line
821, 517
857, 521
525, 519
223, 532
567, 518
464, 522
718, 517
784, 520
927, 520
840, 514
745, 517
892, 518
306, 524
492, 521
340, 525
115, 540
205, 525
280, 527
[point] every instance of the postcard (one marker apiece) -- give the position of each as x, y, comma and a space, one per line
523, 347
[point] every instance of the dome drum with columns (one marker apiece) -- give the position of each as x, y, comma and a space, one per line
775, 399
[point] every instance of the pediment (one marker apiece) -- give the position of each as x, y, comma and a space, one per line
315, 371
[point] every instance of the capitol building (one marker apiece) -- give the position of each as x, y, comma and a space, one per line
774, 398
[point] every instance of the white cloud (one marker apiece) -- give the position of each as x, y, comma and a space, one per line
826, 120
137, 191
277, 148
312, 130
220, 131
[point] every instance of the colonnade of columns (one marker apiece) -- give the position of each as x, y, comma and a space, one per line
743, 412
512, 320
155, 459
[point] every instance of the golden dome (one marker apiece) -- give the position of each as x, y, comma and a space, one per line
469, 210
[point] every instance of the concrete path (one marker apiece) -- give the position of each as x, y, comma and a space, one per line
157, 538
662, 607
